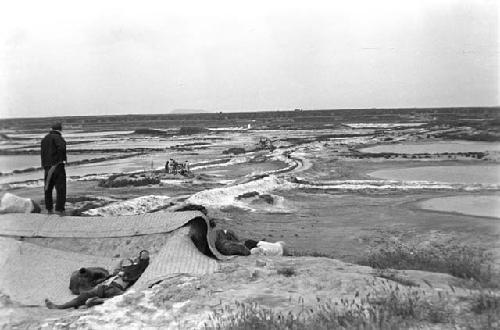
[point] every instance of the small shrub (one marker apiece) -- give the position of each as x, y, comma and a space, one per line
486, 308
307, 253
287, 271
116, 181
485, 302
188, 130
234, 151
249, 194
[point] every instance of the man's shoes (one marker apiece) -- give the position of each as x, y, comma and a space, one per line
61, 213
50, 212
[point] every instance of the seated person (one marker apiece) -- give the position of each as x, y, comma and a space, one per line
122, 278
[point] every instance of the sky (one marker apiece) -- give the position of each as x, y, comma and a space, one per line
60, 58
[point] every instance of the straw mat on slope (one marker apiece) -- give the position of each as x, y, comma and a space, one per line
43, 225
178, 256
30, 273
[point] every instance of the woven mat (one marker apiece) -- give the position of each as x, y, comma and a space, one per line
43, 225
30, 273
178, 256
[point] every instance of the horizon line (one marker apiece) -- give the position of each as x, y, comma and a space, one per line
255, 111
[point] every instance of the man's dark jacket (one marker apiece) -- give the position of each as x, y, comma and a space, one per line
53, 149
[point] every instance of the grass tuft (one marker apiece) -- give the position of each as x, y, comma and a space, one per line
391, 309
461, 261
392, 275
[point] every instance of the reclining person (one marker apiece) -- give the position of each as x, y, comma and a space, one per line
122, 278
227, 243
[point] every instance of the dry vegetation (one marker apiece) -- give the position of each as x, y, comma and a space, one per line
462, 261
393, 307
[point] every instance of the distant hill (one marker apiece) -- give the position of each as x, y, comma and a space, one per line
185, 111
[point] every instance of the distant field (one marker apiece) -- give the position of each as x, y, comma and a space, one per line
264, 119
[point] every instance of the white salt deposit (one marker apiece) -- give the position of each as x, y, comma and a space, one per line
210, 163
374, 185
139, 205
222, 197
383, 125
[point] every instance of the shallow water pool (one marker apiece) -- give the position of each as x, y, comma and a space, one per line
484, 206
9, 163
474, 174
435, 147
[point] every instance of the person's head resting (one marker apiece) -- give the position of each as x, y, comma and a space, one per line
57, 127
131, 270
144, 255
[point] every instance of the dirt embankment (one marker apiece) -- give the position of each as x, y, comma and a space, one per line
305, 291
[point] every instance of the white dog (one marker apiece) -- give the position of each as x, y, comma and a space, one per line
270, 249
11, 203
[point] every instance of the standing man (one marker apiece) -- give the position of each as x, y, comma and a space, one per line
53, 152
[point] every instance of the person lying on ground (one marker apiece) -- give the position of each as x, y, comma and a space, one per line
122, 278
227, 243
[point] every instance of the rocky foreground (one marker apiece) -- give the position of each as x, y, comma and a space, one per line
282, 293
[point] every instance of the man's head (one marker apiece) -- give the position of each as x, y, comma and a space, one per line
57, 127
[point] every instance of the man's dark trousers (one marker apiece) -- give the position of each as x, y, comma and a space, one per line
57, 180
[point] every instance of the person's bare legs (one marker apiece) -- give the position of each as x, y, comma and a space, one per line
75, 303
101, 291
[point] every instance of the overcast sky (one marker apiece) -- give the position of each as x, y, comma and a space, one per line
121, 57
